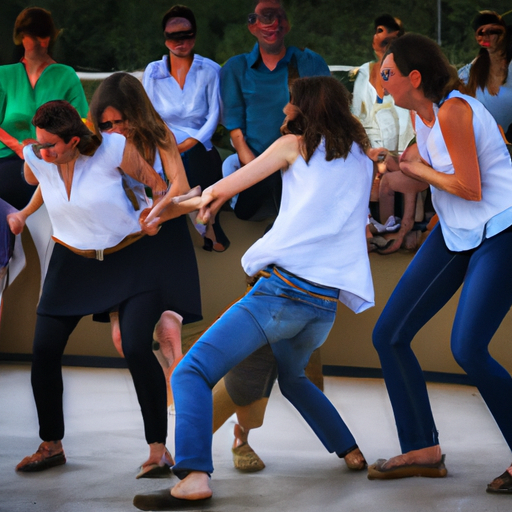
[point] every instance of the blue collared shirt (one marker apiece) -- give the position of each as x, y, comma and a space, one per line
189, 112
253, 97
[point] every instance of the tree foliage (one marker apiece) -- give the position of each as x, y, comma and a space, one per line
126, 34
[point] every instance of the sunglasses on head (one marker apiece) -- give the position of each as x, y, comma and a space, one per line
179, 36
36, 148
108, 125
481, 32
265, 19
386, 73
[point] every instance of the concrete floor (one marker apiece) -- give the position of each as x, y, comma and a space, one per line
104, 444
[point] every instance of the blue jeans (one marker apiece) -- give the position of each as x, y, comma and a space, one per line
432, 278
294, 317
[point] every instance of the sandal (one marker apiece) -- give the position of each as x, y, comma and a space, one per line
377, 471
245, 459
41, 460
160, 470
502, 484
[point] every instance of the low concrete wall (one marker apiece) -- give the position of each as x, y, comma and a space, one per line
222, 281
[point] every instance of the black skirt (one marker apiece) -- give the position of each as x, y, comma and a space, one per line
164, 263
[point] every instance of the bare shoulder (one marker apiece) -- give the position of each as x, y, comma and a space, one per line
453, 108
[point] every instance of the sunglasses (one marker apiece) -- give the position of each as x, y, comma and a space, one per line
179, 36
108, 125
265, 19
36, 148
481, 32
386, 73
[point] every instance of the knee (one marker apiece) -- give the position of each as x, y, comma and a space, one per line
468, 358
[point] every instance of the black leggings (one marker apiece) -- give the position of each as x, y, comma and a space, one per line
137, 316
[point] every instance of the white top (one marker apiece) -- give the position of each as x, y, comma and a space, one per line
386, 124
98, 214
465, 223
319, 233
193, 111
499, 105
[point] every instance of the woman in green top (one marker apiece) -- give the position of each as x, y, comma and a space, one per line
25, 86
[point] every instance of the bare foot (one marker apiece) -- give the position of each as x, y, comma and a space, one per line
156, 454
195, 486
355, 460
430, 455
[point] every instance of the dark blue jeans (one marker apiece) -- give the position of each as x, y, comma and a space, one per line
294, 317
431, 279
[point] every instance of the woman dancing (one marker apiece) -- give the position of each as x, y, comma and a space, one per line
314, 255
461, 154
101, 262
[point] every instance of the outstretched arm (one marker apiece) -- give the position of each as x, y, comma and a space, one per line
456, 122
280, 155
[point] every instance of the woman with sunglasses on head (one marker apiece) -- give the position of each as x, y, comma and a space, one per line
461, 154
314, 255
102, 262
489, 77
24, 86
184, 89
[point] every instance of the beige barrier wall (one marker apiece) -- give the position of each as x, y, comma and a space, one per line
222, 281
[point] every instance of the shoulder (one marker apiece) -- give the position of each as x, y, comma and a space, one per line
207, 63
111, 144
11, 69
62, 70
235, 63
455, 109
156, 69
310, 63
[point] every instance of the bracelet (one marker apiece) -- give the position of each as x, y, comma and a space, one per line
161, 193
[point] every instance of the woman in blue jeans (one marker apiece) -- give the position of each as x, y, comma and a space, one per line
461, 154
314, 255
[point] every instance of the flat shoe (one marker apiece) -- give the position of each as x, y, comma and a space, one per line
164, 500
376, 471
38, 462
501, 485
245, 459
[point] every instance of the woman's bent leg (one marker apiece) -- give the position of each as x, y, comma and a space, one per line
485, 300
228, 341
138, 317
51, 336
433, 276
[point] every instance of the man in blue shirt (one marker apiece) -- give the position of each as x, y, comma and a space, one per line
254, 91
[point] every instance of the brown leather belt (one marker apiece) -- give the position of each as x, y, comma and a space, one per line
99, 253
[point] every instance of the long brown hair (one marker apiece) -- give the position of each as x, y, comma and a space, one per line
479, 72
146, 129
322, 110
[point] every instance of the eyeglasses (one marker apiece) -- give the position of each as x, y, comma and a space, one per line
180, 35
482, 32
267, 18
386, 73
108, 125
36, 148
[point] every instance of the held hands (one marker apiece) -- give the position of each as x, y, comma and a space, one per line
172, 207
411, 163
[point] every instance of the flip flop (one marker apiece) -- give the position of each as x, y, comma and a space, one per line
38, 462
164, 500
377, 472
501, 485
